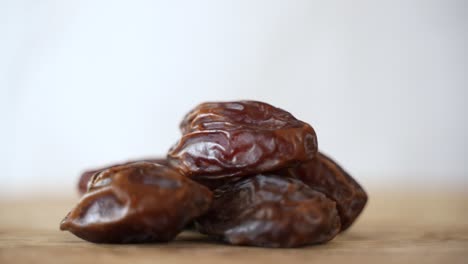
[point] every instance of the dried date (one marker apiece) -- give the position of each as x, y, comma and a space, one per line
325, 175
230, 139
270, 211
85, 176
136, 203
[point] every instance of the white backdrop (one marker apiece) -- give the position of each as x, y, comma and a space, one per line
84, 83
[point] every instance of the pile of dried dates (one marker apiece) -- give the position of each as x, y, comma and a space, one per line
245, 172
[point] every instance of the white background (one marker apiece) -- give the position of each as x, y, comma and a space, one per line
84, 83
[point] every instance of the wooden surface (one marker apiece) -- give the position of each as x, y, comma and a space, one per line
394, 228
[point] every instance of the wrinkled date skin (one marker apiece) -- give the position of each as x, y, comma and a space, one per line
229, 139
85, 176
324, 175
136, 203
270, 211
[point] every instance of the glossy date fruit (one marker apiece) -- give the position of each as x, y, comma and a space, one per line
270, 211
136, 203
325, 175
230, 139
85, 176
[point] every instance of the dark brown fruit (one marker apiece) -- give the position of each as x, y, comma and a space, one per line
85, 176
326, 176
136, 203
230, 139
270, 211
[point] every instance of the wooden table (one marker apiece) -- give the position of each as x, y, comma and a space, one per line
395, 228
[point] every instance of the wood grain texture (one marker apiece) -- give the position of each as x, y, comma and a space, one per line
394, 228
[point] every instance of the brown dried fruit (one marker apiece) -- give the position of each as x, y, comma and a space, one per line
325, 175
270, 211
136, 203
86, 176
229, 139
